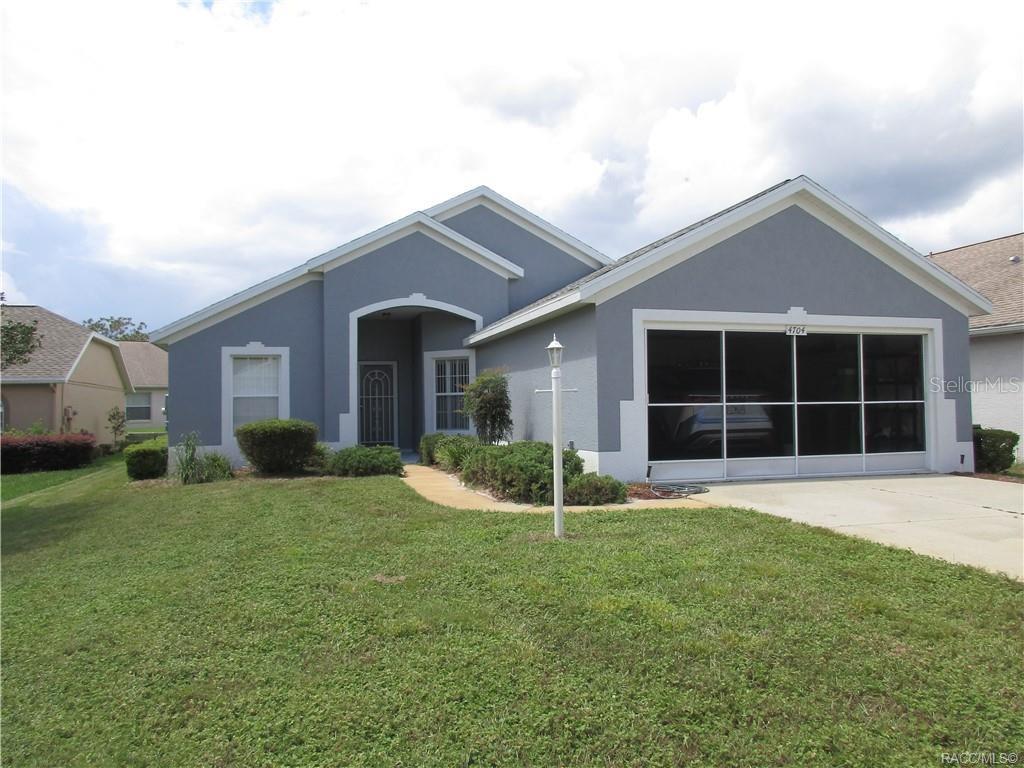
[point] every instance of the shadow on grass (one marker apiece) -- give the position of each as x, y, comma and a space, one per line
27, 528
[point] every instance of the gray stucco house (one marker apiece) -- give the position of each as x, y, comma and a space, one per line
786, 335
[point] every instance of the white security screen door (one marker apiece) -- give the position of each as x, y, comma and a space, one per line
378, 406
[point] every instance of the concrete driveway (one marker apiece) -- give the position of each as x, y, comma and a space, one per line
960, 519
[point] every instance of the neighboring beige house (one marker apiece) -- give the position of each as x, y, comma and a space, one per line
995, 269
145, 405
69, 384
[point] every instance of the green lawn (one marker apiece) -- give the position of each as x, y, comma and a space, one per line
12, 486
351, 623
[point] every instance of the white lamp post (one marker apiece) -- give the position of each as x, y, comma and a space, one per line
555, 356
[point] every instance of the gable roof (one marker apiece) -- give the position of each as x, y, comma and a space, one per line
314, 268
687, 242
146, 363
996, 269
62, 344
528, 220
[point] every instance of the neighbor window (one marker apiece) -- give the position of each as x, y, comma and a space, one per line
256, 388
136, 406
451, 375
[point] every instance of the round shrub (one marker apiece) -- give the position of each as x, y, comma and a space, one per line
364, 461
428, 447
451, 451
214, 467
45, 452
146, 460
277, 446
480, 468
593, 489
524, 473
994, 449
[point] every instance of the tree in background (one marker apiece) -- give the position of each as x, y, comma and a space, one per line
488, 404
117, 420
118, 328
17, 341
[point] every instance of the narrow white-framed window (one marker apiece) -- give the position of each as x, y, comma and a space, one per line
445, 376
254, 386
137, 406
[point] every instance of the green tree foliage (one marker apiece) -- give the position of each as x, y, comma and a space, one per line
488, 404
118, 328
17, 342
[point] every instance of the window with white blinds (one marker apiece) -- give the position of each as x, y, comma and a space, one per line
136, 406
451, 375
255, 388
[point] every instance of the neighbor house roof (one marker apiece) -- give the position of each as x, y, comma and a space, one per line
63, 342
146, 364
687, 242
994, 268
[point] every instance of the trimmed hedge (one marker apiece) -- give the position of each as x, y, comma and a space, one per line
364, 461
277, 446
44, 453
451, 451
428, 447
520, 471
593, 489
147, 460
994, 449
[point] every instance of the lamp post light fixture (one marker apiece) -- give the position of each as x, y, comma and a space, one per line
555, 356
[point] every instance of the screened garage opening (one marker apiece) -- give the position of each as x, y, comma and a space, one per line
762, 403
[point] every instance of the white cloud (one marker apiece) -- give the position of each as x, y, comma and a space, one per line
10, 290
222, 147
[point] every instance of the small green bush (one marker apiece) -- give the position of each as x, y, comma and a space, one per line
147, 460
363, 461
451, 451
488, 404
319, 460
214, 467
277, 446
593, 489
994, 449
520, 471
480, 468
428, 447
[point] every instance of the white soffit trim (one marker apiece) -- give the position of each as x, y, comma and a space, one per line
996, 330
529, 221
802, 191
416, 222
313, 270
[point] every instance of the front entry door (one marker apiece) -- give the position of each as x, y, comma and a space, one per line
378, 404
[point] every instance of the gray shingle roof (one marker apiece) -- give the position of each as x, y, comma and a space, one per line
62, 342
988, 268
146, 363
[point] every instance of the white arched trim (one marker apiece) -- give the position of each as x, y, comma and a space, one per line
348, 423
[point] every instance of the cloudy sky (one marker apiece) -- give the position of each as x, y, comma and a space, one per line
160, 155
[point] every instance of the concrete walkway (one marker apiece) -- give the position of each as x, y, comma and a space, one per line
960, 519
440, 488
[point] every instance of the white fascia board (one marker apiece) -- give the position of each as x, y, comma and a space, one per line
529, 221
232, 305
996, 330
416, 222
527, 318
10, 381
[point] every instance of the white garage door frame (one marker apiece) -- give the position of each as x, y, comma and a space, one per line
940, 443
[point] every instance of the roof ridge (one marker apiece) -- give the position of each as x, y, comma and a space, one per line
971, 245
